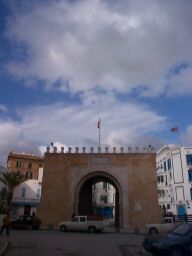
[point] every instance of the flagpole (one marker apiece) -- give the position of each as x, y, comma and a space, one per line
99, 137
99, 127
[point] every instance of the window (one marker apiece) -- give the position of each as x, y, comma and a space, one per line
189, 159
190, 175
18, 164
23, 192
105, 199
191, 193
165, 166
168, 206
29, 165
169, 164
82, 219
38, 195
104, 185
28, 175
40, 165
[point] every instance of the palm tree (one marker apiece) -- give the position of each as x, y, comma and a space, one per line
11, 180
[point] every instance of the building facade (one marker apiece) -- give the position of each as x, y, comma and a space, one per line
103, 200
68, 181
24, 163
26, 196
174, 179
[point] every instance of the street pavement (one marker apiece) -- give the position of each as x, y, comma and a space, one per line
55, 243
3, 245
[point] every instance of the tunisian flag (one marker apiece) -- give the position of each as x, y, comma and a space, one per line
99, 124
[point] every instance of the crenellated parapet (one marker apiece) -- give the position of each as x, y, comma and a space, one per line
99, 150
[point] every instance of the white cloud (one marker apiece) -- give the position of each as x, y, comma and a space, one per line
181, 83
118, 46
122, 124
186, 138
56, 144
77, 125
11, 139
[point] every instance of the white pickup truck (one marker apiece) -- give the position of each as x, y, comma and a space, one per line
82, 223
161, 228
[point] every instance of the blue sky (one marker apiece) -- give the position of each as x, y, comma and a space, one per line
65, 64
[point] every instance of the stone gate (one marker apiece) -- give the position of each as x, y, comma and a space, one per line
68, 179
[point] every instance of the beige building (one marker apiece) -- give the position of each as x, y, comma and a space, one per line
26, 196
26, 164
69, 177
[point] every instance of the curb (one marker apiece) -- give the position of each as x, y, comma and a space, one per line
3, 247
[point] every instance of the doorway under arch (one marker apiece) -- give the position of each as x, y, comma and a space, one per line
83, 195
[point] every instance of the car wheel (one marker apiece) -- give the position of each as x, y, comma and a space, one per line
176, 252
63, 228
153, 231
91, 229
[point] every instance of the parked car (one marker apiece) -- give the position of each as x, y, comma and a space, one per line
26, 222
178, 242
161, 228
82, 223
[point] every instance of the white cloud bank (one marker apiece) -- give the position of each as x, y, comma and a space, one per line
118, 45
122, 124
12, 139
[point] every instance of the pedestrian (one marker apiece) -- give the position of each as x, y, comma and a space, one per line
6, 222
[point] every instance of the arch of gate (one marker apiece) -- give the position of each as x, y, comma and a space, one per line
83, 194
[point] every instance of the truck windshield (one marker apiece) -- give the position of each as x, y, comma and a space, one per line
75, 219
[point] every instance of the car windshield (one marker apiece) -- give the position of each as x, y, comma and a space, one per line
182, 229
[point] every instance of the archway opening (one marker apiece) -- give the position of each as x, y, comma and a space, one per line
99, 196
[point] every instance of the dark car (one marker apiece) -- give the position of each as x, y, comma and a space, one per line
178, 242
26, 222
